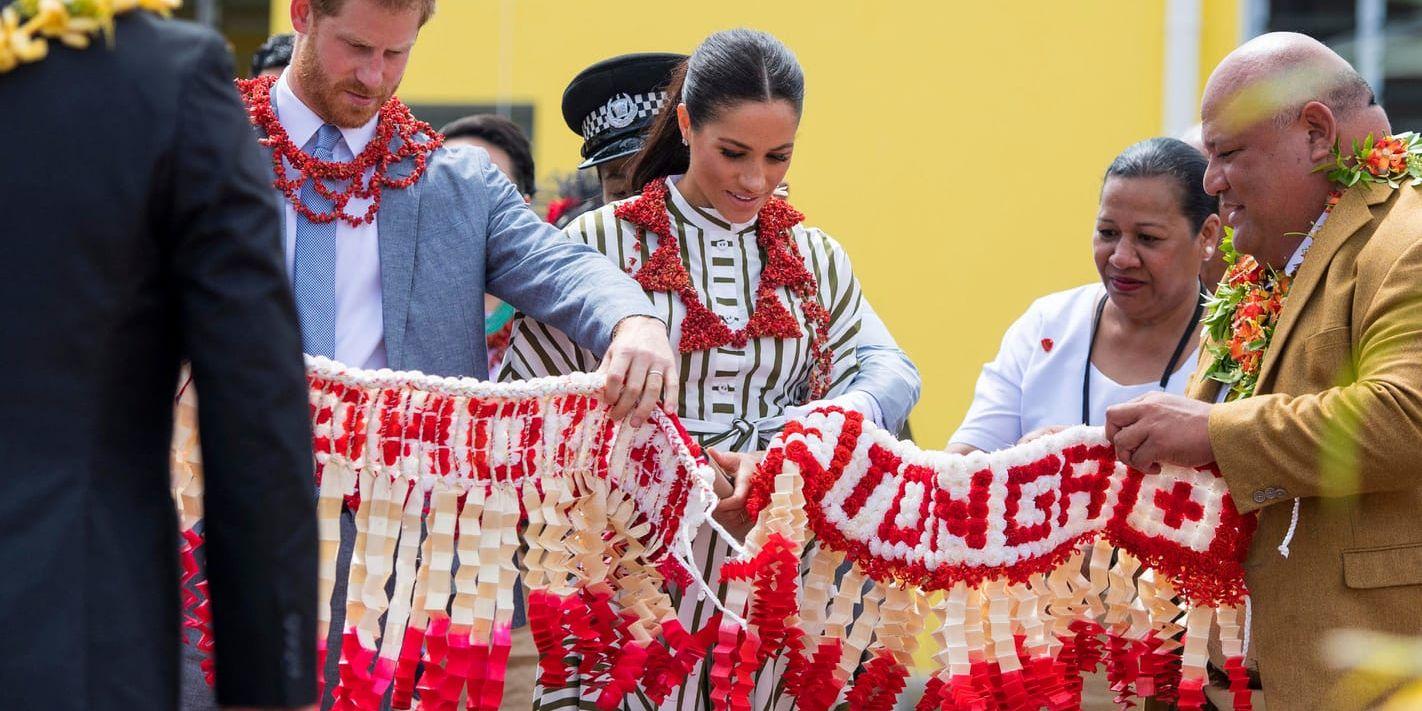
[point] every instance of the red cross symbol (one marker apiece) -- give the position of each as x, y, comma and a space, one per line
1178, 506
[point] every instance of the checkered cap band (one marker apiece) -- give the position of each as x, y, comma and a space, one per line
617, 113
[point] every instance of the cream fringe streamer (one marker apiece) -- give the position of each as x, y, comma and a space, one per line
440, 473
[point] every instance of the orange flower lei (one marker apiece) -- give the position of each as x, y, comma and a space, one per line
396, 122
1241, 316
701, 329
1390, 159
1241, 319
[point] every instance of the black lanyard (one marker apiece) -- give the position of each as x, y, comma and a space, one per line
1169, 367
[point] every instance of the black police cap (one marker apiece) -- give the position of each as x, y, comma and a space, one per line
274, 53
611, 103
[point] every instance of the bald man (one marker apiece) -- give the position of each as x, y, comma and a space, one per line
1328, 450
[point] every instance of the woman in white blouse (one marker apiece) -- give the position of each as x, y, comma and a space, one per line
1076, 352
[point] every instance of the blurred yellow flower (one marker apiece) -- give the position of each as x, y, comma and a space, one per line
55, 20
17, 41
24, 38
1384, 671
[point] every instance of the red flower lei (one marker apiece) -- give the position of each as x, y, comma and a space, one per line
396, 122
784, 267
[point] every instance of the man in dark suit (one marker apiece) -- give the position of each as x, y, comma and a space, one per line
139, 227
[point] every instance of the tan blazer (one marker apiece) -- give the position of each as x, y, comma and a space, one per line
1337, 421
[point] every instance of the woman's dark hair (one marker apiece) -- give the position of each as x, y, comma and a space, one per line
728, 68
504, 134
1176, 160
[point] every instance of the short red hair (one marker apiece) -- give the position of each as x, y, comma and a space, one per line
327, 8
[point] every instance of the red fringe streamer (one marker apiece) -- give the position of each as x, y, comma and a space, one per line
196, 612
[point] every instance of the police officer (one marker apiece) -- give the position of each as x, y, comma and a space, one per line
273, 56
610, 105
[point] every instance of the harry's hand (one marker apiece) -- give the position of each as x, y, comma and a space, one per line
640, 368
1157, 428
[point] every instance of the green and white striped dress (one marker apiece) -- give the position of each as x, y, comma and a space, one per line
731, 399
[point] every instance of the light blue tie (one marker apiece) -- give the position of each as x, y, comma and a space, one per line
313, 272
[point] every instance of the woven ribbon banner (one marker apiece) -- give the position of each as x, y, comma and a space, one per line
446, 479
1029, 567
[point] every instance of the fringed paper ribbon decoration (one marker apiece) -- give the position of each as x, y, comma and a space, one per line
1036, 564
442, 475
1049, 558
186, 469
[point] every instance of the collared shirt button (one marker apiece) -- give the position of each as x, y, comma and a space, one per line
1259, 496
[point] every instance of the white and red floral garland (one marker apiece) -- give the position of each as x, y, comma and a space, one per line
1002, 535
1051, 558
447, 478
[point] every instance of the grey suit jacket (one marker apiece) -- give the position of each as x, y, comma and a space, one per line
462, 230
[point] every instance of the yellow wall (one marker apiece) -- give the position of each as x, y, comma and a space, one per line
954, 148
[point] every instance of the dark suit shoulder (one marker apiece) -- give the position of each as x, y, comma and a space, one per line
130, 89
147, 51
104, 121
179, 40
175, 50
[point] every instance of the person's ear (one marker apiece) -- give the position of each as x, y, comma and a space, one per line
683, 122
1210, 237
1322, 129
302, 16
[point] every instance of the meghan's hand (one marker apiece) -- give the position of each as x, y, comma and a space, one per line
641, 370
736, 470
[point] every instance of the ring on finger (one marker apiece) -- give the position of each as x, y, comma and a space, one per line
657, 373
